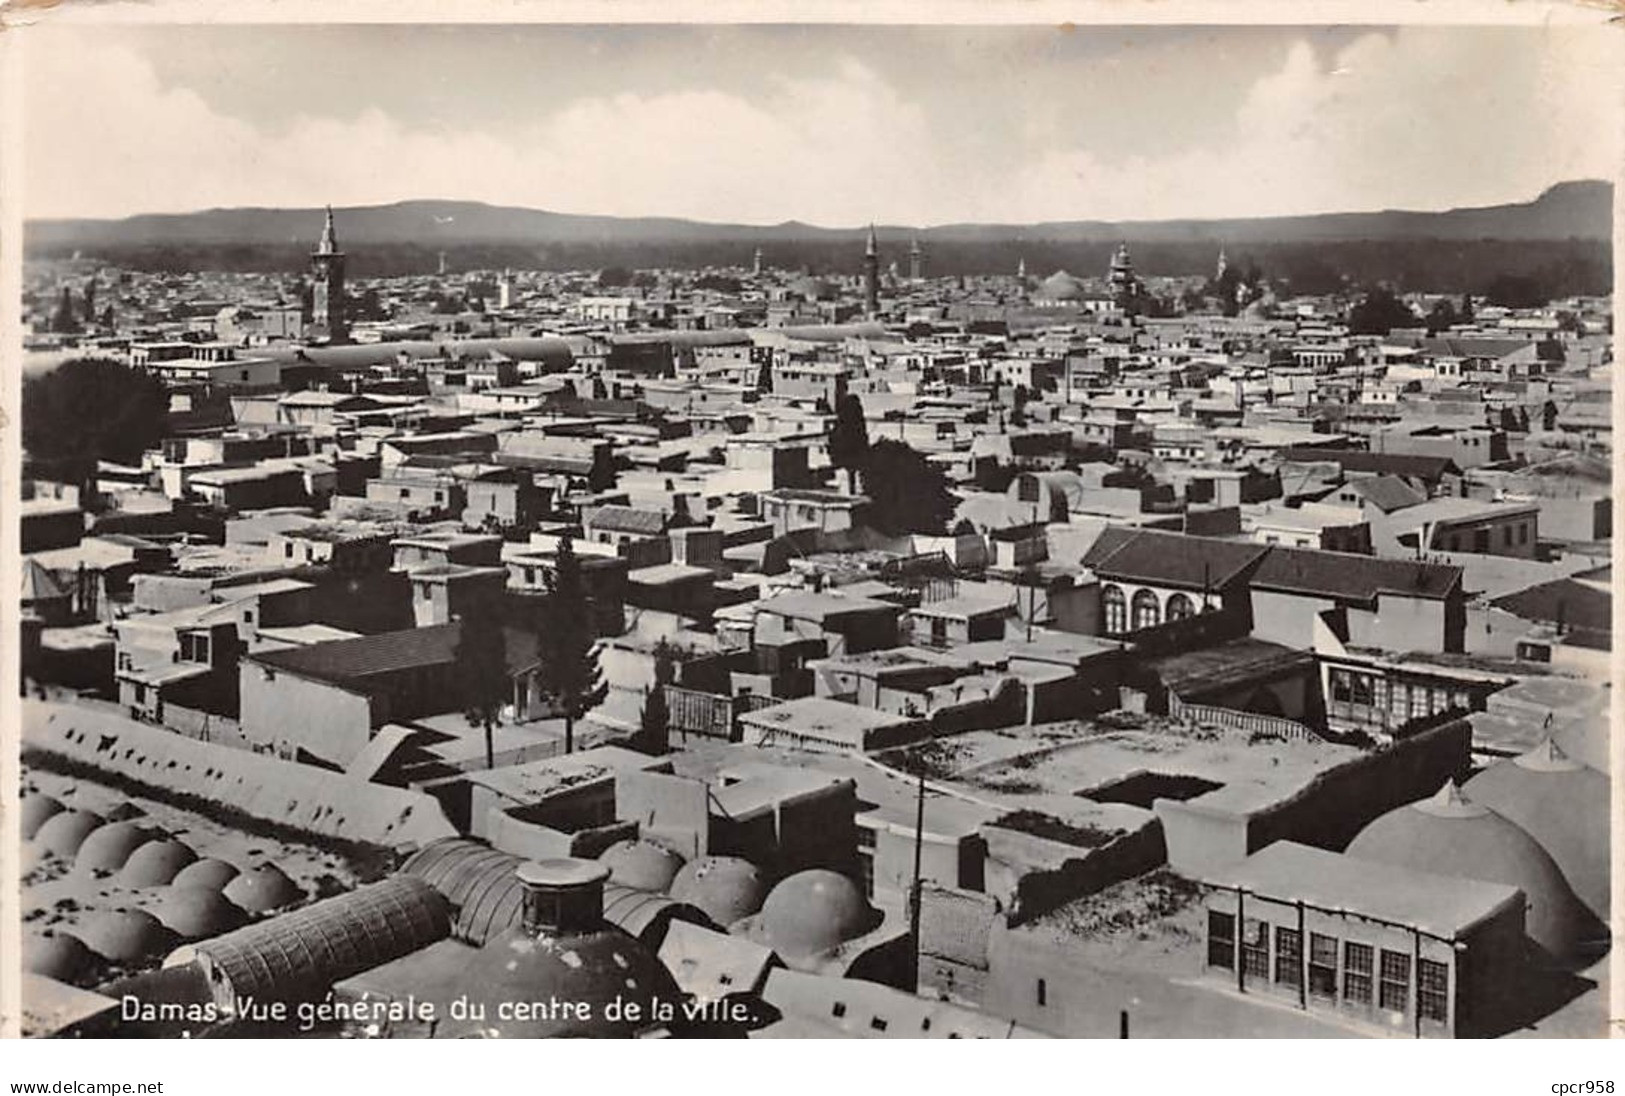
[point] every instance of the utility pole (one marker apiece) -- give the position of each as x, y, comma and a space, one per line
915, 890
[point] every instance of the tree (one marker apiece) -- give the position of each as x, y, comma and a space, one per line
654, 723
481, 658
1379, 312
849, 438
1442, 317
91, 409
1018, 405
568, 647
65, 321
907, 493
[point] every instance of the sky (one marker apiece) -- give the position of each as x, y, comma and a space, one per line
832, 125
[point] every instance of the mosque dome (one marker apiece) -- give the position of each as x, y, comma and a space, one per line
1564, 805
1060, 286
813, 912
263, 889
126, 935
110, 845
60, 955
564, 950
34, 812
155, 863
642, 865
63, 833
207, 872
724, 888
194, 913
1587, 739
1450, 834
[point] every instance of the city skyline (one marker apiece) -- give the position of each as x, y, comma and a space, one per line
840, 126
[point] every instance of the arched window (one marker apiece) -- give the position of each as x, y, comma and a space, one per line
1180, 607
1147, 613
1116, 609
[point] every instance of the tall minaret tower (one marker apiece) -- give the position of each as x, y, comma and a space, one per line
327, 272
756, 264
1218, 273
871, 275
914, 259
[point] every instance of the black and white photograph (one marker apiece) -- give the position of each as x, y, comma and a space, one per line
810, 530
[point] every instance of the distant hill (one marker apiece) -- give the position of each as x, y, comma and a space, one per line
1572, 223
1576, 209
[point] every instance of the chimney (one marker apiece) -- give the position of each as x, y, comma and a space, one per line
563, 895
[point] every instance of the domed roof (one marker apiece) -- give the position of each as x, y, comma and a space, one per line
110, 845
1563, 805
642, 865
126, 935
724, 888
34, 812
193, 913
263, 889
1450, 834
60, 955
1060, 286
813, 912
590, 969
156, 863
63, 833
1587, 739
207, 872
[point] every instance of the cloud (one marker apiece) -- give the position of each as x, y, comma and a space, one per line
1418, 118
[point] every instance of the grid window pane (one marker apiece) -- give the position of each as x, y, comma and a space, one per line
1433, 990
1357, 973
1288, 957
1255, 948
1322, 965
1394, 990
1221, 940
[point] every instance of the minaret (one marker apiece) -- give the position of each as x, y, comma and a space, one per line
505, 290
1021, 270
327, 272
756, 264
914, 259
871, 275
1218, 272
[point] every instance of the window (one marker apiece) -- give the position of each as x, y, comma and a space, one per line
1255, 948
1357, 973
1043, 993
1360, 689
287, 550
1322, 965
248, 616
1394, 993
1506, 535
1147, 613
1221, 940
1288, 957
1115, 608
877, 1023
1432, 990
1180, 607
1341, 686
839, 1010
1523, 534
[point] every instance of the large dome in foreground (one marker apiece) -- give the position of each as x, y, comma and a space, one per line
1449, 834
1562, 804
724, 888
813, 912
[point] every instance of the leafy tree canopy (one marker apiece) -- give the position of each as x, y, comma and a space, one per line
91, 409
908, 494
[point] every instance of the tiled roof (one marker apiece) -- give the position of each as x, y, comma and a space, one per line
1170, 558
626, 519
1346, 576
1394, 464
1388, 493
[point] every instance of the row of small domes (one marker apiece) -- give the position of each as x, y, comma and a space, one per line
803, 916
